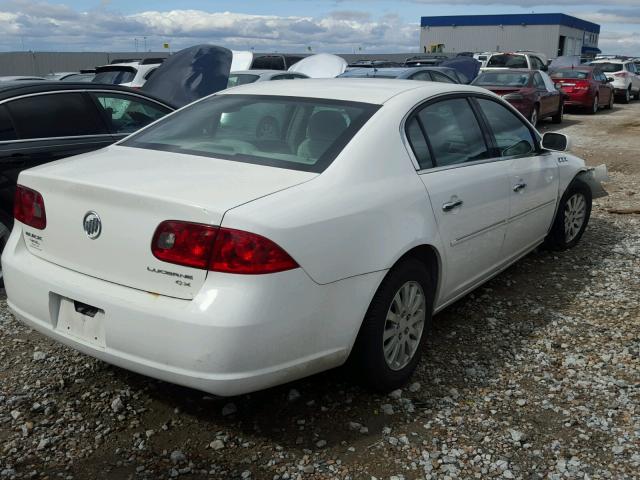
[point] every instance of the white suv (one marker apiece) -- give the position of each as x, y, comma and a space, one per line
625, 76
132, 74
527, 60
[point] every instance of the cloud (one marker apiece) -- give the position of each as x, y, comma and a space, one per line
39, 25
57, 27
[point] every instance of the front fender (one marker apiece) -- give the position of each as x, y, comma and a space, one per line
571, 167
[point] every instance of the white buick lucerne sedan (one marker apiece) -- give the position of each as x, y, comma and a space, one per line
275, 230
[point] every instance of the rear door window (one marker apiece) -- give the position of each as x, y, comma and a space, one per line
418, 143
453, 132
7, 132
538, 82
127, 113
55, 115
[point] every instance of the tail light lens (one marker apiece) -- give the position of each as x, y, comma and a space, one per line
218, 249
28, 208
184, 243
581, 85
246, 253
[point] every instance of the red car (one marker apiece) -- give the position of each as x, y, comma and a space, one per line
526, 90
586, 87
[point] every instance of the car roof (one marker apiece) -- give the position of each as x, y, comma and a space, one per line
258, 72
15, 89
393, 71
365, 90
507, 70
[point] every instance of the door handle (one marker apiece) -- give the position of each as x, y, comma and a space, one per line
447, 207
519, 186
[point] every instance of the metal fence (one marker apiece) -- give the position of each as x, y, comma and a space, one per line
41, 63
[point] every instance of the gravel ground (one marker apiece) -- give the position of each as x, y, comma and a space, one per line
535, 375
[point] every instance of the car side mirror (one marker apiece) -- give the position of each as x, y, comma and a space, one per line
610, 80
545, 68
557, 142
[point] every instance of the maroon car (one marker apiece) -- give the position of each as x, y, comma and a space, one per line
586, 87
526, 90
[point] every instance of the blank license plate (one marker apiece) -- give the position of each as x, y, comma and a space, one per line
81, 321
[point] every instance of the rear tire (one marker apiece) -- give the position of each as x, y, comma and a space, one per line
557, 118
637, 95
394, 330
6, 224
572, 217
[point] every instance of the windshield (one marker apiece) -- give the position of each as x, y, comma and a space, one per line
287, 132
236, 79
610, 67
506, 79
572, 74
508, 61
115, 75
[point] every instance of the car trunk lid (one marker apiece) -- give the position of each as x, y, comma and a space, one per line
132, 191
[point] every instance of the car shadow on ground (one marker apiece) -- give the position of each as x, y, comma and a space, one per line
470, 342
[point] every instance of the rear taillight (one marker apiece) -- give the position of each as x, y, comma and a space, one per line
246, 253
218, 249
581, 85
28, 208
184, 243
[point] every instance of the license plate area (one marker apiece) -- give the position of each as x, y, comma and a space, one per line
81, 321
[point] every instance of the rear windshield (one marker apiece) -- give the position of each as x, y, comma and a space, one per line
573, 74
507, 79
115, 75
287, 132
241, 79
508, 61
610, 67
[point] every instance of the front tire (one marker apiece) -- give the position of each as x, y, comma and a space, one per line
627, 96
394, 330
572, 217
594, 107
610, 104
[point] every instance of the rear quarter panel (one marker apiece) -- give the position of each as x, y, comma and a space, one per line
359, 216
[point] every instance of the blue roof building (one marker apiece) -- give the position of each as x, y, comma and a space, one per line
553, 34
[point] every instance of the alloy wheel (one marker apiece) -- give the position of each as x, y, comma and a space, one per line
595, 105
404, 325
574, 215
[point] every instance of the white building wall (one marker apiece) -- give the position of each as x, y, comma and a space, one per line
574, 40
539, 38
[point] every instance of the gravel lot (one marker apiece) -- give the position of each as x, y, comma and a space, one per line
535, 375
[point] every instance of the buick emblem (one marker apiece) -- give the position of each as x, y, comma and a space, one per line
92, 225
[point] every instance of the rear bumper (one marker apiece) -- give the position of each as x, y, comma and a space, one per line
579, 99
240, 333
